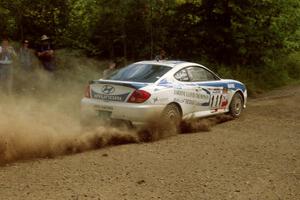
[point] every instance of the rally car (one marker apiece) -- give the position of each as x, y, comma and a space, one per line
171, 89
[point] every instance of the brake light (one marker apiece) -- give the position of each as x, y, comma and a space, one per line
87, 92
139, 96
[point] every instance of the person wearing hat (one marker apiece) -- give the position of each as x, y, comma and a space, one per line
26, 56
45, 54
7, 55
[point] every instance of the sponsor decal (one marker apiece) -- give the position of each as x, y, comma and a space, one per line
231, 85
105, 97
195, 95
188, 102
215, 90
192, 102
165, 83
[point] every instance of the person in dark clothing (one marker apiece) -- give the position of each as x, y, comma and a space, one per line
45, 54
162, 55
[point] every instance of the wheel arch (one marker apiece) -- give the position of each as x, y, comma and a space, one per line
178, 105
241, 93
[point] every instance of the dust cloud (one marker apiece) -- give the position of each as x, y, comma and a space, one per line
194, 125
42, 121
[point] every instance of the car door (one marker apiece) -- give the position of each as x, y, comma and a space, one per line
191, 95
210, 85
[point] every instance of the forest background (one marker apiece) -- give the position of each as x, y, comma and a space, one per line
254, 41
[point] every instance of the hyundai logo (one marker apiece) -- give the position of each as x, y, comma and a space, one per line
108, 89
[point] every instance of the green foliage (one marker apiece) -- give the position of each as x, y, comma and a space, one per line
231, 32
34, 18
250, 39
292, 65
247, 32
225, 72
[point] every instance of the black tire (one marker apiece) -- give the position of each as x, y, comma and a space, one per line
172, 114
236, 105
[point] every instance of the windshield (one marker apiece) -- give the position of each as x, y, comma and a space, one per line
145, 73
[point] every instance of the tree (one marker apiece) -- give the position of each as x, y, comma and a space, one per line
245, 32
36, 18
230, 32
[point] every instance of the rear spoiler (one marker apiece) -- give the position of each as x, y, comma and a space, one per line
131, 85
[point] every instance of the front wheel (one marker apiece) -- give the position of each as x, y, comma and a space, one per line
236, 105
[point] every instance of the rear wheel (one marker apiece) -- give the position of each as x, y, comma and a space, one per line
172, 114
236, 105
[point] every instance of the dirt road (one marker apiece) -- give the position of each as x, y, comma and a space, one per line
254, 157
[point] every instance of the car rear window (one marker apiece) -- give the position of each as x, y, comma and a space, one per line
145, 73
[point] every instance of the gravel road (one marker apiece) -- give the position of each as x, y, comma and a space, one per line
254, 157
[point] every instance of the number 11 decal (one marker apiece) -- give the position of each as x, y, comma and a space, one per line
218, 101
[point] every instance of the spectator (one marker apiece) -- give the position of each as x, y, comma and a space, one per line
7, 54
111, 68
45, 53
162, 55
26, 78
26, 56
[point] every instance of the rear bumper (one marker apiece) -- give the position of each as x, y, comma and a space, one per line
136, 113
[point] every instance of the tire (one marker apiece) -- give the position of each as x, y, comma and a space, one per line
236, 105
172, 114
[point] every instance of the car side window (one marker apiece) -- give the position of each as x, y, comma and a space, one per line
182, 75
211, 76
197, 74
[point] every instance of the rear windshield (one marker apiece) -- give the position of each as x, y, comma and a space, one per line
145, 73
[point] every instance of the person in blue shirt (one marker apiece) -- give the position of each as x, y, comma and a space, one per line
26, 57
7, 55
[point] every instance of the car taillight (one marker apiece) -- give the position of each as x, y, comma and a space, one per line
139, 96
87, 92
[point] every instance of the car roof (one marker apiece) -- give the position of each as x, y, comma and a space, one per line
173, 64
169, 63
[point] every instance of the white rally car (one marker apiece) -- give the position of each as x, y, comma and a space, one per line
172, 89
